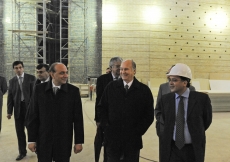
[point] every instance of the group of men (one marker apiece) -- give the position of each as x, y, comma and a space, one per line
50, 111
124, 111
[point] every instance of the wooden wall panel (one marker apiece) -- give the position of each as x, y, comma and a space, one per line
182, 34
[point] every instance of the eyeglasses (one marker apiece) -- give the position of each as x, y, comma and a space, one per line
40, 72
173, 80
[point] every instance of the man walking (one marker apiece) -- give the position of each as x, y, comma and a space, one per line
182, 116
55, 112
102, 81
19, 94
126, 114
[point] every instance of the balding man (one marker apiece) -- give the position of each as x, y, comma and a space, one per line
56, 111
126, 114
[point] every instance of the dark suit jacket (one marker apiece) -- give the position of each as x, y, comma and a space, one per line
199, 118
53, 118
102, 82
3, 89
164, 89
14, 94
126, 117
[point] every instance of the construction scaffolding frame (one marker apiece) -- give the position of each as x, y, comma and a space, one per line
29, 43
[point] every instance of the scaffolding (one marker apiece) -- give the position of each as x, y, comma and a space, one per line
30, 35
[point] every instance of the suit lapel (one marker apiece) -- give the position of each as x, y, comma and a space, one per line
16, 82
191, 102
172, 109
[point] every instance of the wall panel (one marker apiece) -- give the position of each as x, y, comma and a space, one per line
182, 34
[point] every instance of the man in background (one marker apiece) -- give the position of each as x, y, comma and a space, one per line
3, 89
102, 81
108, 70
19, 95
42, 73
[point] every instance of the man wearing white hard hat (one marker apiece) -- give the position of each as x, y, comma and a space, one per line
182, 116
164, 87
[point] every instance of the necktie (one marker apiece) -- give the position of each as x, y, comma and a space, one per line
180, 125
20, 84
55, 90
126, 88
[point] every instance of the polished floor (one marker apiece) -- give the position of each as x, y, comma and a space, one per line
217, 147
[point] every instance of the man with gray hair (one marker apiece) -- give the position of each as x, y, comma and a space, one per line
102, 81
126, 112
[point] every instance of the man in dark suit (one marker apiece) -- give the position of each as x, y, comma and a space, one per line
3, 89
164, 88
42, 76
56, 111
182, 116
102, 81
126, 114
19, 94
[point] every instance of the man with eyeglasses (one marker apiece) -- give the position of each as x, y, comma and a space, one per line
19, 95
182, 117
42, 73
102, 81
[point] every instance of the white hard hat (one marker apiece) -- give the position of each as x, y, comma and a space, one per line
181, 70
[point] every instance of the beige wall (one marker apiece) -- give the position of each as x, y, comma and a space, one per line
181, 35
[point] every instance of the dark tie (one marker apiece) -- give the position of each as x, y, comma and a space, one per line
20, 84
55, 90
180, 124
126, 88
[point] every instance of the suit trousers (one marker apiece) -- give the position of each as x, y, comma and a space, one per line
20, 129
50, 160
127, 156
186, 154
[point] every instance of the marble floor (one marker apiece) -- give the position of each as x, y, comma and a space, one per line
217, 147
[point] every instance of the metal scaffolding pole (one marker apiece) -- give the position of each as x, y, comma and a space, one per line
44, 31
60, 30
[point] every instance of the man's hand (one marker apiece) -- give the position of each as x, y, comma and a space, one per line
32, 147
77, 148
9, 116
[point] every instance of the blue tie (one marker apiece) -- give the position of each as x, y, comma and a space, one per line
180, 125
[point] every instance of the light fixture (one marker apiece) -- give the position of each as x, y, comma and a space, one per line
109, 13
152, 14
217, 20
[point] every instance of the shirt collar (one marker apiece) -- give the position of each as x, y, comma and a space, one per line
46, 80
185, 94
129, 84
21, 75
53, 85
